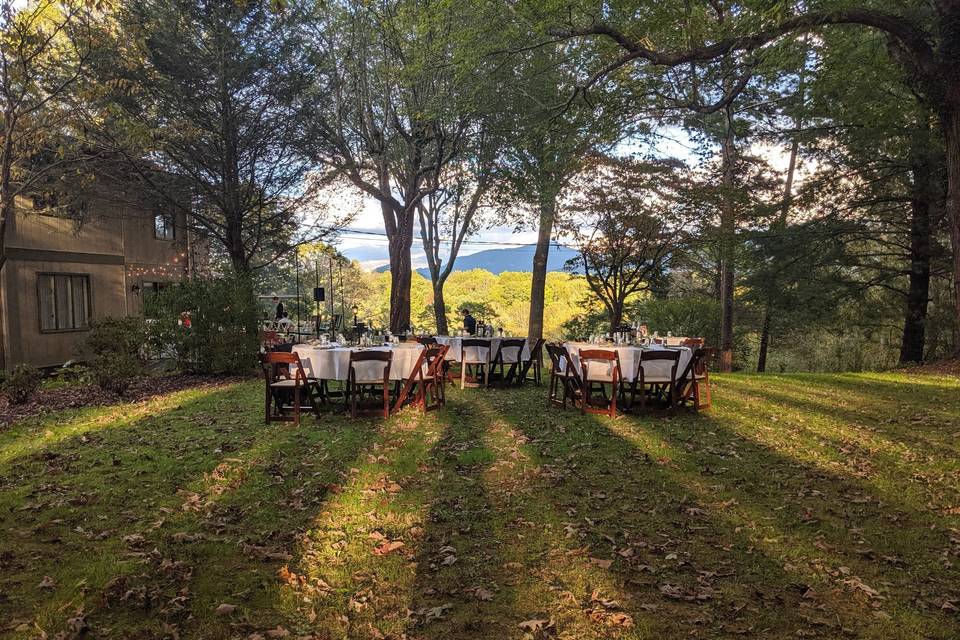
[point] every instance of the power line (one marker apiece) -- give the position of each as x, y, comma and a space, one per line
385, 237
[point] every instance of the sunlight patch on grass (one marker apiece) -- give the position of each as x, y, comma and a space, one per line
355, 562
38, 434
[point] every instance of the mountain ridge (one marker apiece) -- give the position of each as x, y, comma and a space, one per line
496, 261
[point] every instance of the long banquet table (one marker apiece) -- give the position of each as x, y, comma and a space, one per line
653, 370
455, 343
333, 363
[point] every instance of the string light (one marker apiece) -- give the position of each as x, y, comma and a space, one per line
176, 267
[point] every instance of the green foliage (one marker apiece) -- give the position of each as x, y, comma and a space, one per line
502, 299
207, 325
114, 349
19, 384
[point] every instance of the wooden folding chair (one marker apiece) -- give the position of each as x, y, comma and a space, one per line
694, 385
433, 391
475, 354
563, 377
509, 352
279, 384
411, 387
612, 375
534, 363
357, 386
661, 387
426, 384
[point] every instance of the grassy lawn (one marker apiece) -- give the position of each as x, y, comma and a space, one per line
820, 506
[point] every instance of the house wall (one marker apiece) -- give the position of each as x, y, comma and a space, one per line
27, 343
116, 246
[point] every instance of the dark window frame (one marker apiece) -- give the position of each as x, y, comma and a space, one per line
89, 296
170, 226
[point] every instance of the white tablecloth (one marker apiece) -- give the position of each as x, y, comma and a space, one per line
455, 343
653, 371
328, 363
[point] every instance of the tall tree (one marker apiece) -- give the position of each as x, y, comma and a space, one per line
924, 41
45, 47
397, 112
208, 103
450, 214
631, 216
551, 140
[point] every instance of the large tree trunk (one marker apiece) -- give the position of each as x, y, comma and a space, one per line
727, 246
781, 224
538, 284
615, 314
401, 276
951, 124
764, 341
927, 193
439, 307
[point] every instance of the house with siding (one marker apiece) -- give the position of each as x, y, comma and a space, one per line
61, 275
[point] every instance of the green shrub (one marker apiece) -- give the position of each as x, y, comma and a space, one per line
21, 383
222, 332
114, 352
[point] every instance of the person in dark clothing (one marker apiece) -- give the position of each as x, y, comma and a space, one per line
469, 322
281, 311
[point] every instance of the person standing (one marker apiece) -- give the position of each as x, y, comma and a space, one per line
469, 322
281, 312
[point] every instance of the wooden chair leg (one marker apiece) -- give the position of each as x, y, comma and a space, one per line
296, 405
266, 404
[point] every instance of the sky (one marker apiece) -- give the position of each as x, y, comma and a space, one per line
365, 244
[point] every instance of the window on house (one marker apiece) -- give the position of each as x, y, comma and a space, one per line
163, 226
64, 301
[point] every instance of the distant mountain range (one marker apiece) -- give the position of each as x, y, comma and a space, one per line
497, 261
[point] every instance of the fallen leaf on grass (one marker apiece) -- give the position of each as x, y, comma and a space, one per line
620, 619
47, 583
603, 564
226, 609
387, 547
535, 624
857, 584
481, 593
279, 632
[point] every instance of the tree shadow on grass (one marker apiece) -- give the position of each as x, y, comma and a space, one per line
191, 502
463, 583
935, 407
847, 529
704, 525
631, 541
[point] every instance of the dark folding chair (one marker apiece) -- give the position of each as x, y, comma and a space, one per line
474, 362
509, 352
367, 383
662, 388
533, 363
285, 392
606, 370
565, 382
